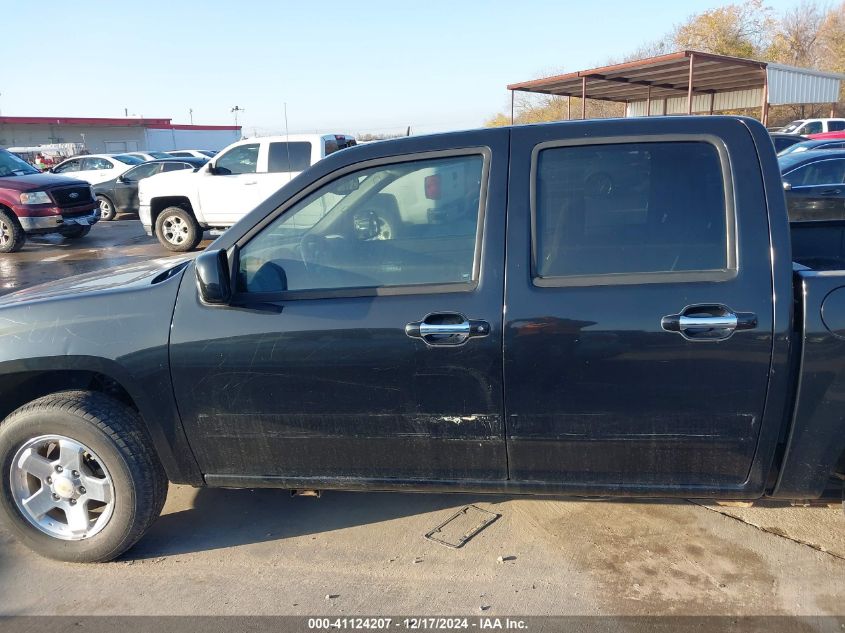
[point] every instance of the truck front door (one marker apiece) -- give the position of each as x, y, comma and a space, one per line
233, 189
350, 350
638, 335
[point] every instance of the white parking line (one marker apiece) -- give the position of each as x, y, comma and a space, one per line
55, 258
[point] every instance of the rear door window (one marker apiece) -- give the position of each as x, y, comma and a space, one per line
96, 163
69, 166
630, 209
142, 171
293, 156
835, 126
177, 166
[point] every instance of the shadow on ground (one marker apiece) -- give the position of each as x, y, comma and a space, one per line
223, 518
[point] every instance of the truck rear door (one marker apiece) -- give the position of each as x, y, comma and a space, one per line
638, 332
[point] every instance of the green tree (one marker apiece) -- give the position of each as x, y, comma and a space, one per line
796, 36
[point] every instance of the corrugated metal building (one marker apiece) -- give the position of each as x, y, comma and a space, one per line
692, 82
99, 135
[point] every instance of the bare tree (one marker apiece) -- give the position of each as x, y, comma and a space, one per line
796, 38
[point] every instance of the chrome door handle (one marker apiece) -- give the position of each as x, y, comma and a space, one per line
426, 329
727, 322
251, 182
713, 322
446, 329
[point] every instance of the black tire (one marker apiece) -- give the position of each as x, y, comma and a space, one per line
12, 236
178, 230
116, 434
75, 232
108, 211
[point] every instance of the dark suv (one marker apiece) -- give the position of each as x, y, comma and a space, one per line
35, 203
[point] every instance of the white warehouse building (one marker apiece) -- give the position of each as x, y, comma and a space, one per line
101, 135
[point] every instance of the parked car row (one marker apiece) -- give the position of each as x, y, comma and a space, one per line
120, 194
75, 194
178, 207
94, 168
97, 168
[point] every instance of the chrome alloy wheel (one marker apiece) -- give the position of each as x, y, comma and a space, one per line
106, 209
175, 230
62, 487
5, 233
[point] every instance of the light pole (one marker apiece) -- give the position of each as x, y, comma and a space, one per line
191, 114
237, 109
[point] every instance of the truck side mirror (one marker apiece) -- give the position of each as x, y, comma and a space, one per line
212, 169
213, 279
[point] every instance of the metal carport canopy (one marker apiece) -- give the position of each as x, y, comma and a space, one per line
691, 81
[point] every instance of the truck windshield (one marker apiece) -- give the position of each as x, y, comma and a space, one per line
11, 165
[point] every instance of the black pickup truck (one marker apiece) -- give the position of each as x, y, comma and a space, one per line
602, 308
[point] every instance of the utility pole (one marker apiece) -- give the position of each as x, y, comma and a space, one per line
191, 114
237, 109
126, 112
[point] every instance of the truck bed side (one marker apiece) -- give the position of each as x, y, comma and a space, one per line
816, 441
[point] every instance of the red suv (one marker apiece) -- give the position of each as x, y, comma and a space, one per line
32, 203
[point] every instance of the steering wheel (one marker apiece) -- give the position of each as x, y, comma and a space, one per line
313, 248
310, 247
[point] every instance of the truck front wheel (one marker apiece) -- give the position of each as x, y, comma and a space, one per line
80, 479
12, 236
178, 230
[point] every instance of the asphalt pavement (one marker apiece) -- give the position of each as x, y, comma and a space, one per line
217, 551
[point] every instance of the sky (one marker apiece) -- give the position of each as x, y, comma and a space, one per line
356, 66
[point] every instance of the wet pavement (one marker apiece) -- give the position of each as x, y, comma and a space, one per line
50, 257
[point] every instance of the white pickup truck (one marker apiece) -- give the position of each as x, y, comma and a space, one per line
178, 206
